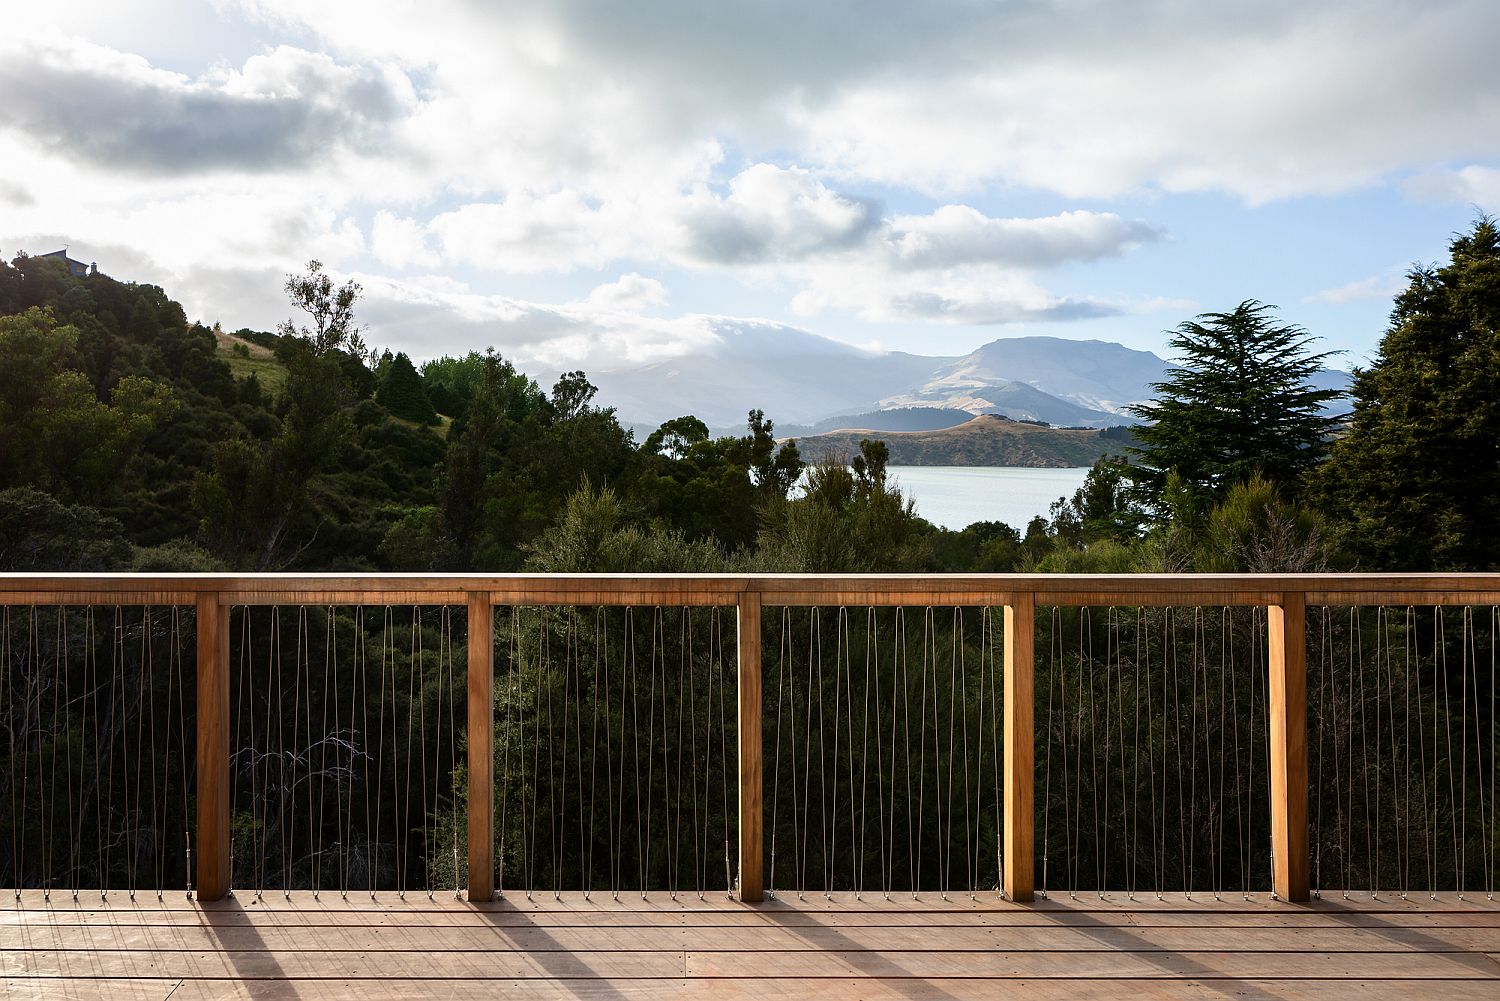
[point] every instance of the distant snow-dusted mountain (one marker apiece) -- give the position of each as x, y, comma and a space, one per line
796, 377
801, 378
1099, 378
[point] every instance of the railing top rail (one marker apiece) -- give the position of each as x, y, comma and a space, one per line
773, 589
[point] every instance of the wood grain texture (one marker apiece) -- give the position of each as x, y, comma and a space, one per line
774, 589
211, 852
752, 769
1287, 711
573, 948
1020, 750
481, 741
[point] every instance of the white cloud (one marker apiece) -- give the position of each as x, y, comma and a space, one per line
1079, 97
400, 242
957, 234
426, 321
1473, 185
631, 293
761, 143
772, 214
283, 109
980, 296
525, 234
1381, 286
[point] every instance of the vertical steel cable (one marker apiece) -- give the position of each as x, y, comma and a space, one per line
898, 678
1446, 702
575, 645
1467, 655
1053, 731
240, 749
627, 659
969, 831
911, 813
48, 798
387, 641
799, 798
157, 829
586, 790
644, 803
855, 809
815, 702
1386, 665
872, 683
633, 678
357, 737
364, 699
840, 640
175, 670
92, 687
601, 633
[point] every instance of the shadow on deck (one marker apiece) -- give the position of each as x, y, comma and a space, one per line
633, 948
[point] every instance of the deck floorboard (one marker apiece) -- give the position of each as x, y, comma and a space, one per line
304, 948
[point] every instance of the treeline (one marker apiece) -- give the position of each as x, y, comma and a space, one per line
131, 438
128, 441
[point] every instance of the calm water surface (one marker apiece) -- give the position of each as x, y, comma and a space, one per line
956, 496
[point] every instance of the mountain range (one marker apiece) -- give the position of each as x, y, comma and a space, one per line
986, 440
810, 384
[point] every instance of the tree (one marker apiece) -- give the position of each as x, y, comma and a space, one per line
55, 433
1240, 402
253, 493
776, 469
1416, 480
332, 312
401, 392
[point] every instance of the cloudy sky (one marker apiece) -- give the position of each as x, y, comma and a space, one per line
579, 182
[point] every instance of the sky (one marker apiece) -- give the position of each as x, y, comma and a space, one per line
595, 184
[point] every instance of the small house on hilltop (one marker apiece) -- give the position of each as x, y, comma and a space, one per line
77, 269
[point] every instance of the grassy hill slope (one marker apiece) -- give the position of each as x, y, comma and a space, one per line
984, 441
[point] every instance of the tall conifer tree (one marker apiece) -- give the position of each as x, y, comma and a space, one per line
1240, 401
1417, 478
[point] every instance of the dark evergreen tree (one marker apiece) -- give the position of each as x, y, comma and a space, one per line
401, 391
1239, 402
1416, 481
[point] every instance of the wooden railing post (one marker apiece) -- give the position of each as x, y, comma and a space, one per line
1287, 645
481, 765
213, 748
752, 835
1020, 752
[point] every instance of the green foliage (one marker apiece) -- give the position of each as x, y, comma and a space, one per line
849, 520
417, 540
594, 535
1417, 477
54, 432
330, 309
399, 390
450, 382
1239, 403
39, 532
715, 488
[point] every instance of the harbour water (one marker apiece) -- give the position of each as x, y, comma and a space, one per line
957, 496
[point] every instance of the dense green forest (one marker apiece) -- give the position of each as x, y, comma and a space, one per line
133, 439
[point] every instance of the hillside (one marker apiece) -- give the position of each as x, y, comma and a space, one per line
987, 440
898, 419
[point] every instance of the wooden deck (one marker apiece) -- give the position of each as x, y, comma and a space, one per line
333, 948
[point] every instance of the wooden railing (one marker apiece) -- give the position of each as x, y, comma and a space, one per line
1285, 597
